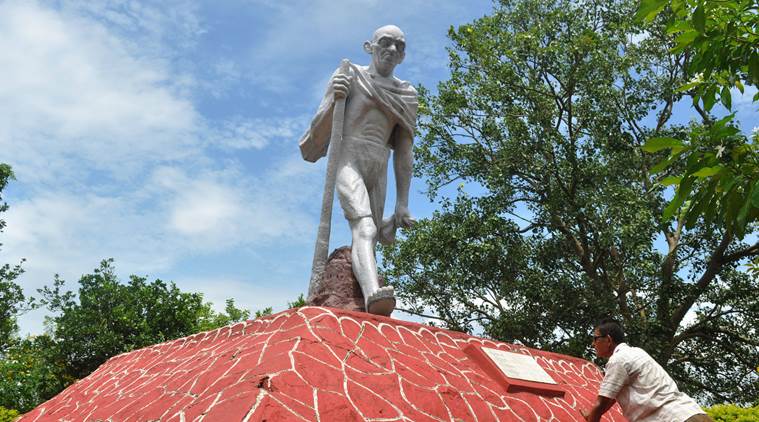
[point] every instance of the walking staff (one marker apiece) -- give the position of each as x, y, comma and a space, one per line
321, 248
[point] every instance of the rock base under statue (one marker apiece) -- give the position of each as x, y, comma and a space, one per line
339, 288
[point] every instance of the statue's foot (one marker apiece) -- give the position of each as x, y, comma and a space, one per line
382, 301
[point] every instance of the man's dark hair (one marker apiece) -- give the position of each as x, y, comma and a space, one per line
612, 328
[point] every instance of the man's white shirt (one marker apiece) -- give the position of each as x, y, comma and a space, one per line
643, 389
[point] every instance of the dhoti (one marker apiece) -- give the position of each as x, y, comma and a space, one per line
361, 181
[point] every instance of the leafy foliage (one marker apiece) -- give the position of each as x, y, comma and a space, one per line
12, 300
11, 303
264, 312
557, 218
8, 415
6, 175
231, 315
733, 413
104, 318
110, 318
721, 39
297, 303
719, 176
31, 372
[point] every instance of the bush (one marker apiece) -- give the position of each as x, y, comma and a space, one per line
8, 415
733, 413
31, 372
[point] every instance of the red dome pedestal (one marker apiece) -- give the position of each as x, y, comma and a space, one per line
322, 364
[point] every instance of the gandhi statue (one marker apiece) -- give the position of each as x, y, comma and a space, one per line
380, 116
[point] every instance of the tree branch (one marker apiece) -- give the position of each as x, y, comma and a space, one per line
712, 268
735, 256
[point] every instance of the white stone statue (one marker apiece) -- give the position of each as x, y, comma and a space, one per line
379, 116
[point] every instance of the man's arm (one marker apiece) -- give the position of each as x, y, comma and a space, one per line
615, 378
403, 160
599, 408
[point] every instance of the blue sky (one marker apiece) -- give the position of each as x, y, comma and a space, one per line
164, 134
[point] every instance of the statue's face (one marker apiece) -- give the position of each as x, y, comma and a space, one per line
388, 48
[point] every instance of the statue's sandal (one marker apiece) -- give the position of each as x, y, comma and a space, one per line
381, 302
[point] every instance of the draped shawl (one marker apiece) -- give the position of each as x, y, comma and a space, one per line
399, 100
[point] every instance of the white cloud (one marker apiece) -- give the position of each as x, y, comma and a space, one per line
745, 99
71, 91
65, 233
746, 109
174, 214
238, 133
205, 208
253, 295
218, 210
148, 26
226, 73
636, 39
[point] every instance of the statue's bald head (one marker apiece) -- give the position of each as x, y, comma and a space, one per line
388, 48
391, 30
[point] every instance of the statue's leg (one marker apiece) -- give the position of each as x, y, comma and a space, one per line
357, 203
378, 300
382, 301
364, 232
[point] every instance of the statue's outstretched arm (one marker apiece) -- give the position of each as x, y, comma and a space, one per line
403, 161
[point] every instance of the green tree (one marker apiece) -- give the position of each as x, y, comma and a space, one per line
8, 415
718, 179
733, 413
557, 219
104, 318
108, 317
297, 303
264, 312
231, 315
720, 40
31, 372
10, 292
12, 300
12, 304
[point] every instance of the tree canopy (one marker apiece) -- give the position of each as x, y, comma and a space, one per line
105, 317
108, 317
556, 219
11, 296
718, 178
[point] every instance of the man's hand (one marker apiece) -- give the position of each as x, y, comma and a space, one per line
341, 85
403, 217
600, 407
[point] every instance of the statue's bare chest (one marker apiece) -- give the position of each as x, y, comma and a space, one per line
365, 119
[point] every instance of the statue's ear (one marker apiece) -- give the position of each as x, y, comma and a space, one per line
401, 57
368, 47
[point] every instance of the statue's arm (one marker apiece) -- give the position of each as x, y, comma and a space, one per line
337, 87
314, 143
403, 161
